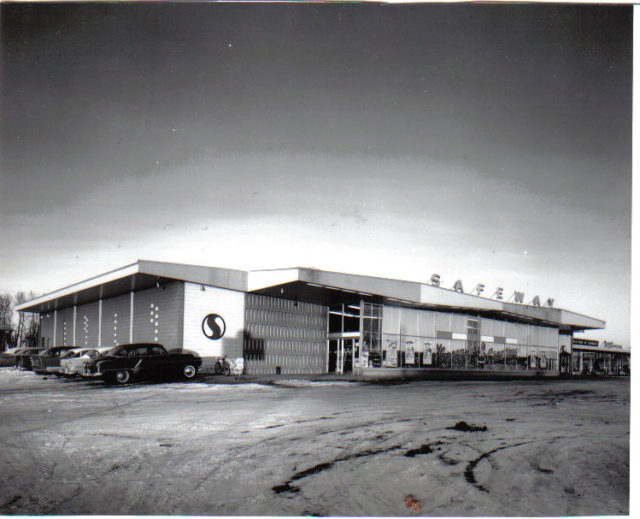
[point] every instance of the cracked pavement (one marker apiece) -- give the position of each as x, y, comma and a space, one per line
314, 448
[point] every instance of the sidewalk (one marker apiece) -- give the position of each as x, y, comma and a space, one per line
272, 379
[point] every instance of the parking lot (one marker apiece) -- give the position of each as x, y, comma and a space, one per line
314, 448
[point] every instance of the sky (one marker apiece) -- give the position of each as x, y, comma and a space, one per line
486, 143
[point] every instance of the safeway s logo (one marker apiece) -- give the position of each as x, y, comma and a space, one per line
213, 326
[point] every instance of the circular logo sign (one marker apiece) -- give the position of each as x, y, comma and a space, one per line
213, 326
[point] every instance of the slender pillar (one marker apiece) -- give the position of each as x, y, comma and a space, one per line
99, 322
55, 328
326, 364
131, 316
74, 324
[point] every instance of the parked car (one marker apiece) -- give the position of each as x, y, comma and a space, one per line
48, 361
124, 363
72, 363
23, 357
8, 357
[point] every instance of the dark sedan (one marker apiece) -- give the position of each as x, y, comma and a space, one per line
23, 357
124, 363
48, 361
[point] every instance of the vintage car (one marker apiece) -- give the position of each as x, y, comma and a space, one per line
72, 363
23, 357
121, 364
8, 357
48, 361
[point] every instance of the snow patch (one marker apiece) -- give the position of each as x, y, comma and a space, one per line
315, 383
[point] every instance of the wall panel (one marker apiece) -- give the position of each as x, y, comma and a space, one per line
443, 321
199, 302
46, 330
286, 334
87, 324
64, 328
158, 315
427, 323
115, 320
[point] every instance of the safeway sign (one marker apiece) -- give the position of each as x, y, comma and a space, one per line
517, 296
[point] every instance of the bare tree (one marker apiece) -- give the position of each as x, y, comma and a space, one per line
32, 331
6, 321
20, 298
6, 309
27, 330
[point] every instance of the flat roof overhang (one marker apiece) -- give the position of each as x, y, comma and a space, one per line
329, 288
308, 285
137, 276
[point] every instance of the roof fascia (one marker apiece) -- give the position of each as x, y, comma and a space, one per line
112, 275
210, 276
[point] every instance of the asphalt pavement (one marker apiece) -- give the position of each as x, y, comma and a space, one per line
314, 447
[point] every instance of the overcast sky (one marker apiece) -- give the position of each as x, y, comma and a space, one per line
487, 143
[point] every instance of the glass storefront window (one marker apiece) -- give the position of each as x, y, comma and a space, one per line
511, 354
442, 357
499, 361
431, 343
371, 327
458, 354
491, 351
473, 355
521, 360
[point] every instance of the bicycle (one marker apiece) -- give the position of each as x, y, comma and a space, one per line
222, 367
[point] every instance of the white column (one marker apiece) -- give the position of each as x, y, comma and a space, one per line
74, 325
131, 316
99, 322
55, 327
326, 364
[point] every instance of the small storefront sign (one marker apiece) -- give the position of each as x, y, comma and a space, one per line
543, 361
410, 357
427, 358
391, 360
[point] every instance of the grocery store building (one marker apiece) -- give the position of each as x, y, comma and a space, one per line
302, 320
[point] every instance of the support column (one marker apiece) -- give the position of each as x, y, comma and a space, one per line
74, 325
326, 364
99, 322
131, 317
580, 365
55, 327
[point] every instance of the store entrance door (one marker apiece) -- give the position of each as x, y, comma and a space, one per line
347, 355
341, 350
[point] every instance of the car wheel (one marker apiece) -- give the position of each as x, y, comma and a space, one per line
123, 376
189, 371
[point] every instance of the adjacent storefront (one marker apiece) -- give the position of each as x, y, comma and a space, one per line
589, 358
